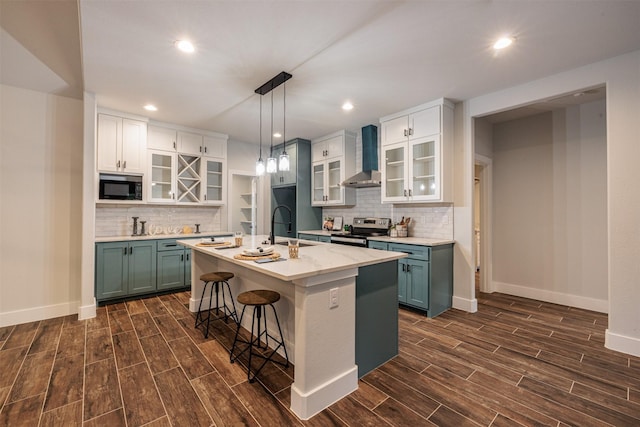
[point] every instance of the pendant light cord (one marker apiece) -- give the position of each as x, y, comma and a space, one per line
260, 158
284, 120
271, 152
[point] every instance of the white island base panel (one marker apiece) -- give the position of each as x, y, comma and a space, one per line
319, 340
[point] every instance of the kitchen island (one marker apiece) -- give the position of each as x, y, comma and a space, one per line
331, 297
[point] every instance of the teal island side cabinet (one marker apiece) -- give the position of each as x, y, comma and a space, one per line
125, 268
425, 277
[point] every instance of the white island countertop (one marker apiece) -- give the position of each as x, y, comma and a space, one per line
314, 257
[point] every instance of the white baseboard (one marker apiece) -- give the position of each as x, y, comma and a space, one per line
87, 311
38, 313
622, 343
601, 306
306, 405
470, 305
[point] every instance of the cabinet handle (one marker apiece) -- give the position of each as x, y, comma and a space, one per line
174, 145
118, 164
182, 257
124, 252
403, 267
187, 257
405, 133
406, 252
130, 250
205, 150
410, 195
171, 245
408, 268
124, 164
205, 197
410, 131
200, 149
405, 193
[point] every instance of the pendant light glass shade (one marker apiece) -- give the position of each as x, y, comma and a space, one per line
272, 165
283, 163
260, 167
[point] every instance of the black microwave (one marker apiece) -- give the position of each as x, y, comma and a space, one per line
120, 187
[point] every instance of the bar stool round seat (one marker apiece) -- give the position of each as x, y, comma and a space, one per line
259, 299
216, 280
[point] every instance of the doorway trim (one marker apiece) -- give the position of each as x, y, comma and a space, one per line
486, 220
259, 224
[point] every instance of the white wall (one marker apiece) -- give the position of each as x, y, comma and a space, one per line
622, 78
40, 205
549, 204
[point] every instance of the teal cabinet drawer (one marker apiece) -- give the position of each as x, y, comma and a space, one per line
378, 245
325, 239
414, 251
312, 237
168, 245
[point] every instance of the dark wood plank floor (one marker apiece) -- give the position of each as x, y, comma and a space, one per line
514, 362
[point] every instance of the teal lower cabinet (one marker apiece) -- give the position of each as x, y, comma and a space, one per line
425, 277
314, 237
174, 265
125, 268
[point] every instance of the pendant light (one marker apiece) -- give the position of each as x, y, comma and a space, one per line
260, 162
272, 165
283, 162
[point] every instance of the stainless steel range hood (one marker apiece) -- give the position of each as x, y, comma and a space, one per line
370, 175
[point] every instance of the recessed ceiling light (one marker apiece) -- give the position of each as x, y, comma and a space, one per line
503, 42
150, 107
277, 135
185, 46
347, 106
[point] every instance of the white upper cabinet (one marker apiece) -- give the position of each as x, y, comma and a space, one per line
160, 138
192, 171
411, 126
417, 154
214, 147
332, 161
122, 145
190, 143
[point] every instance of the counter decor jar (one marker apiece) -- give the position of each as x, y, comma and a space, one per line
294, 248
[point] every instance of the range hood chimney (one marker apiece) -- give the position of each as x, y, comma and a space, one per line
370, 175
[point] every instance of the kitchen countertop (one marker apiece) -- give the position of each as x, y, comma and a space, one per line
421, 241
163, 236
314, 259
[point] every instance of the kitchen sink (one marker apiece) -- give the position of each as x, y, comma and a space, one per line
301, 244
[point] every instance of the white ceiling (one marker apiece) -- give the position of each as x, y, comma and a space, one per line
384, 56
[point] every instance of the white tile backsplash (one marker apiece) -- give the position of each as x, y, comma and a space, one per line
116, 220
427, 221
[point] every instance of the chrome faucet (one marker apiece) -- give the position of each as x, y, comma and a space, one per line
272, 235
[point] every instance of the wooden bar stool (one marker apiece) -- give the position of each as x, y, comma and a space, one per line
258, 299
216, 280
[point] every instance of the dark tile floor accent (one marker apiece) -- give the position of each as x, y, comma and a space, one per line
516, 362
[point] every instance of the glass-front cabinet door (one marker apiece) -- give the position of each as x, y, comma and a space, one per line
334, 179
213, 176
394, 186
317, 183
424, 172
161, 177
